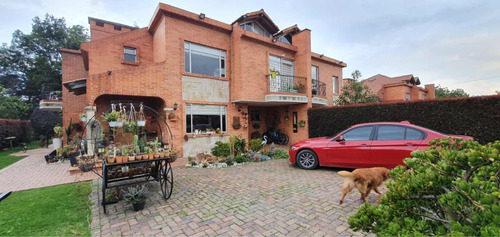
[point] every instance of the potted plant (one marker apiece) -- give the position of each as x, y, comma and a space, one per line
302, 123
113, 119
137, 196
124, 154
217, 130
156, 145
112, 196
83, 117
173, 155
237, 126
274, 72
171, 117
85, 162
57, 140
149, 151
130, 127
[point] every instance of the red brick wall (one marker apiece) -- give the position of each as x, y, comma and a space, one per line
326, 74
99, 32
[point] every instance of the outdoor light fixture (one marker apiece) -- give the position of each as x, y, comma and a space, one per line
202, 15
240, 108
321, 55
109, 73
175, 106
274, 40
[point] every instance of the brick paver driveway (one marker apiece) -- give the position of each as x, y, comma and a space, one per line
272, 198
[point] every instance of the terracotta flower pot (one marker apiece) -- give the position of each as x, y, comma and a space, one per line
119, 159
145, 156
125, 159
156, 156
161, 155
138, 157
150, 156
111, 160
131, 158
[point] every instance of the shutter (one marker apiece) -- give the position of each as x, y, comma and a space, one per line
287, 67
205, 109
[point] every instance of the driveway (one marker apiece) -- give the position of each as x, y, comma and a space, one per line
272, 198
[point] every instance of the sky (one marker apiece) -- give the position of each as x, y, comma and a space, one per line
451, 43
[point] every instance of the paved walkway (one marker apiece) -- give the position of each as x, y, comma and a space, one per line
272, 198
34, 172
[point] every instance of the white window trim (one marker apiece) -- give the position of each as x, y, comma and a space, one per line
336, 85
132, 52
222, 111
253, 28
221, 56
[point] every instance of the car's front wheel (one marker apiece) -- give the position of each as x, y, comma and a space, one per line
307, 159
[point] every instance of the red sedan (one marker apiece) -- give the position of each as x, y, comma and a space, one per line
383, 144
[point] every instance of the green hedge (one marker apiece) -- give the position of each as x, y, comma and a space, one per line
20, 129
475, 116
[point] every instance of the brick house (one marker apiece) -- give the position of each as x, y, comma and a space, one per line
215, 75
399, 88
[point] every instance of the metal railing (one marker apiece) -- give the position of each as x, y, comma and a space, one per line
48, 93
318, 88
286, 83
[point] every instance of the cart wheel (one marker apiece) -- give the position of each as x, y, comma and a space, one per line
166, 179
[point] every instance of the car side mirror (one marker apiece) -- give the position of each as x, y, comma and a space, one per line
339, 138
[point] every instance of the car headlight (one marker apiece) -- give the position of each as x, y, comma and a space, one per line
292, 148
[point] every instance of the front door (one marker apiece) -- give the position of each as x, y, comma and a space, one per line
353, 151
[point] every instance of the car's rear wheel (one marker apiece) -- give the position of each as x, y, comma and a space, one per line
307, 159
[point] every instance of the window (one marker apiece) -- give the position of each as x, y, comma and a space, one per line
254, 27
358, 134
99, 23
118, 28
204, 60
205, 118
315, 81
284, 66
407, 97
424, 96
255, 115
285, 39
130, 54
390, 132
335, 85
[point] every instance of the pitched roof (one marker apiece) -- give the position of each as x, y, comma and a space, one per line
260, 17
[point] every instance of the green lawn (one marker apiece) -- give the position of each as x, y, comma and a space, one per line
6, 160
62, 210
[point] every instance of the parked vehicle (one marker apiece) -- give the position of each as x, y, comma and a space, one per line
382, 144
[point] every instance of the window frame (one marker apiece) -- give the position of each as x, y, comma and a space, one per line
336, 86
424, 134
222, 58
407, 96
222, 112
315, 79
253, 24
370, 137
125, 47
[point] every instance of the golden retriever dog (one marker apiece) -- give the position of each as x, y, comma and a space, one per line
365, 180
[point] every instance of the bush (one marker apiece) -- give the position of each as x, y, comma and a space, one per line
452, 188
14, 128
221, 149
475, 116
239, 158
255, 135
43, 121
279, 153
240, 145
255, 144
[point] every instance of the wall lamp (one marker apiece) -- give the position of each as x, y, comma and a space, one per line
109, 73
175, 106
202, 16
321, 55
240, 108
274, 40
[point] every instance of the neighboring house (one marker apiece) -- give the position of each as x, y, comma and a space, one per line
399, 88
215, 74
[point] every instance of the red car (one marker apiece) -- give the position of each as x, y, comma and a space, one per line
383, 144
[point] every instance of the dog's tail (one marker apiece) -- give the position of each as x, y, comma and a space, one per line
345, 174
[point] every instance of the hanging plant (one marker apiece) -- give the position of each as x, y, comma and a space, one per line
237, 126
130, 127
302, 123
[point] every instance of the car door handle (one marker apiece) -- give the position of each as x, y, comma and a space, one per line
364, 145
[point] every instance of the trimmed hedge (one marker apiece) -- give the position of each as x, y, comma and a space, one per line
475, 116
20, 129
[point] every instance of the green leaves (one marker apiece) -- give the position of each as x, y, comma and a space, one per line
449, 189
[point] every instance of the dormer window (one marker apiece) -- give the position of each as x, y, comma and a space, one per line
99, 23
285, 40
130, 54
254, 27
119, 28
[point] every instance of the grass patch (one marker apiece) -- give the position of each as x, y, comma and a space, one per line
6, 160
61, 210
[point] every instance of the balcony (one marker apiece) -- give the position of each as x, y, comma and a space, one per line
319, 90
287, 84
50, 100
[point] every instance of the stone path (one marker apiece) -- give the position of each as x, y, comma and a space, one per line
272, 198
34, 172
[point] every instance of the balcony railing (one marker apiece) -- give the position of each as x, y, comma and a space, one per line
287, 84
48, 92
318, 88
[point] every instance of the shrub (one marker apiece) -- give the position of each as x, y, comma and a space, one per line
14, 128
43, 121
240, 145
450, 189
280, 154
475, 116
221, 149
255, 144
255, 135
239, 158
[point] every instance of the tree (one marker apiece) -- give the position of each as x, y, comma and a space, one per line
356, 92
444, 92
451, 188
33, 60
12, 107
43, 121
